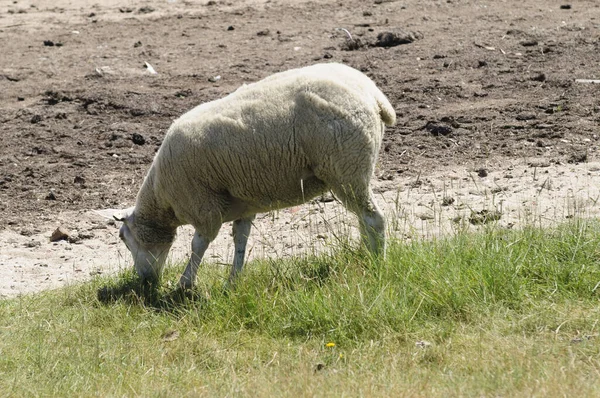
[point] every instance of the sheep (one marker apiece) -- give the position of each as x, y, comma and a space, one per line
269, 145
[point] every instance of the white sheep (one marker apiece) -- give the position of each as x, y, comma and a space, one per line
272, 144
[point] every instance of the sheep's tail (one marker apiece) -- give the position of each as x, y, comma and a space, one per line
386, 110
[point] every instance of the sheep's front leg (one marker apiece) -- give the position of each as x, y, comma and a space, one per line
199, 246
241, 231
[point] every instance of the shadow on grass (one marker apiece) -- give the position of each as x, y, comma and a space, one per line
306, 273
135, 292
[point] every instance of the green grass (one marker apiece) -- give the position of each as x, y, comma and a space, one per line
500, 313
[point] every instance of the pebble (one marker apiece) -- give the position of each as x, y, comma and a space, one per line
59, 234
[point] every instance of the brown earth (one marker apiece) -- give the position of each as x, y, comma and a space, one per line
485, 92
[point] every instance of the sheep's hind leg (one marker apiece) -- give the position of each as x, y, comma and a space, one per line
372, 225
241, 231
371, 219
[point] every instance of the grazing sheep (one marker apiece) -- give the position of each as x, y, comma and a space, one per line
272, 144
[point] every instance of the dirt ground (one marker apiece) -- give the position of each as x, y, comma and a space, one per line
492, 121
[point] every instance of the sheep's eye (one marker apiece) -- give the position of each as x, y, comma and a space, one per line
121, 235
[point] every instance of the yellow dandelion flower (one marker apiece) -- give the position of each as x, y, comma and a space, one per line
330, 345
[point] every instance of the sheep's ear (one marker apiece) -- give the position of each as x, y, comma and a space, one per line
116, 214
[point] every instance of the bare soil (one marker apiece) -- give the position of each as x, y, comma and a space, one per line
492, 124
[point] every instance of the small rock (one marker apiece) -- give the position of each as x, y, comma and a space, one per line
183, 93
540, 77
447, 201
74, 237
146, 10
565, 7
392, 39
326, 198
537, 163
482, 173
230, 28
214, 79
416, 183
137, 44
496, 190
48, 43
484, 216
51, 196
578, 157
85, 235
264, 32
33, 243
525, 116
529, 43
36, 119
79, 180
59, 234
351, 44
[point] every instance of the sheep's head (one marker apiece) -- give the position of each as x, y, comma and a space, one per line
148, 244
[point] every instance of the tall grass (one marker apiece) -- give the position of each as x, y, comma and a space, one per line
496, 313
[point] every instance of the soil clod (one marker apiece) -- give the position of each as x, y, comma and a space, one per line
138, 139
437, 129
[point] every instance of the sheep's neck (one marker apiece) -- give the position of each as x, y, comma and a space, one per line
152, 214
